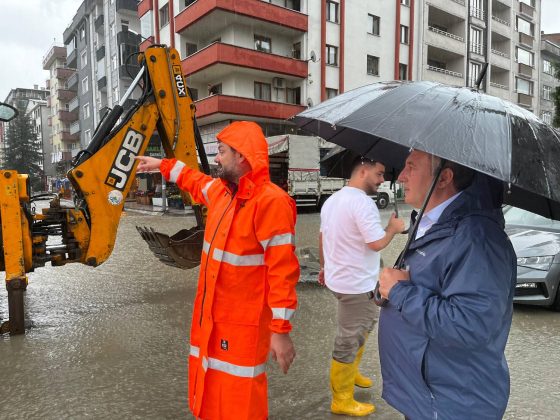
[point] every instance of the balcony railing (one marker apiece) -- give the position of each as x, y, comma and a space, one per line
72, 82
526, 9
74, 103
500, 53
447, 34
525, 70
75, 127
502, 21
477, 48
524, 99
445, 71
526, 39
478, 13
499, 86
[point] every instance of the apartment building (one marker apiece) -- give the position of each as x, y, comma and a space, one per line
550, 54
268, 60
459, 36
25, 100
100, 44
39, 115
62, 84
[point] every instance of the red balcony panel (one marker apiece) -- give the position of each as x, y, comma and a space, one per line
243, 57
64, 73
236, 105
66, 136
144, 7
68, 116
256, 9
65, 95
146, 43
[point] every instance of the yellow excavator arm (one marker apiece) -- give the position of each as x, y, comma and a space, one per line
102, 176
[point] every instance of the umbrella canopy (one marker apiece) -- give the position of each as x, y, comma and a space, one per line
384, 121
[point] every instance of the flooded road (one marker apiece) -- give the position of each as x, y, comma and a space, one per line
112, 342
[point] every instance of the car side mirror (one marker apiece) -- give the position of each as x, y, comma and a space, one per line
7, 112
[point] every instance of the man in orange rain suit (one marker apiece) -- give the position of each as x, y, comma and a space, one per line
248, 274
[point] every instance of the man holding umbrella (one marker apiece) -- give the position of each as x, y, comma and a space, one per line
443, 332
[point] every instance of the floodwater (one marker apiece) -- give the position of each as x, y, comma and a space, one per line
112, 342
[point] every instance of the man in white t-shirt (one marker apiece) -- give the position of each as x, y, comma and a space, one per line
349, 243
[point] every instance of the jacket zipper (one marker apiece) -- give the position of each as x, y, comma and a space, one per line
208, 257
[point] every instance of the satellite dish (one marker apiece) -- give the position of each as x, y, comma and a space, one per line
309, 102
312, 56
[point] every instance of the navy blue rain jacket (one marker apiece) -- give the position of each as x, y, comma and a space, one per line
443, 333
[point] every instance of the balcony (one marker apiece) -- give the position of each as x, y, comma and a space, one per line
477, 48
64, 73
66, 136
500, 20
72, 59
100, 53
444, 40
524, 100
219, 55
128, 72
500, 59
547, 46
127, 6
222, 13
220, 107
525, 39
67, 116
129, 38
73, 105
526, 10
525, 70
102, 84
144, 6
98, 23
72, 82
480, 14
65, 95
75, 127
445, 71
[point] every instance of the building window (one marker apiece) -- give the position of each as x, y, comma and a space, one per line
524, 86
373, 24
332, 55
124, 25
547, 67
262, 91
214, 89
87, 137
524, 26
331, 93
476, 41
528, 2
164, 16
293, 95
403, 72
190, 48
262, 43
405, 2
146, 25
114, 62
189, 2
296, 50
83, 59
85, 85
373, 65
524, 56
474, 72
404, 34
332, 11
547, 92
547, 117
86, 111
127, 51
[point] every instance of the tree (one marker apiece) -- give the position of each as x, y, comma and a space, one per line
556, 96
23, 150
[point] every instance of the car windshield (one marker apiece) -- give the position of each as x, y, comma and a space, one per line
516, 216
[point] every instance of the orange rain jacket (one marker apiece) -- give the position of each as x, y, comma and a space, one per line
246, 287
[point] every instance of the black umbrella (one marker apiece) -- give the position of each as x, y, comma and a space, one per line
385, 121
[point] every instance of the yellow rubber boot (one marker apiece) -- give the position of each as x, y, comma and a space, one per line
361, 380
342, 386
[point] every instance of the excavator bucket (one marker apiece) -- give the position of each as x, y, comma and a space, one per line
181, 250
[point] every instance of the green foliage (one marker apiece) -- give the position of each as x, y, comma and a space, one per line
23, 151
556, 96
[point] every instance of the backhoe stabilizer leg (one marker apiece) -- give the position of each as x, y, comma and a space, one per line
16, 323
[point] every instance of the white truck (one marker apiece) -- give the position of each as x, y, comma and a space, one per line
295, 166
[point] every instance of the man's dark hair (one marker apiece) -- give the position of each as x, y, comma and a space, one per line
462, 176
362, 160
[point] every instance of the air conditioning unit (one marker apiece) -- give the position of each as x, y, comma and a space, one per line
278, 83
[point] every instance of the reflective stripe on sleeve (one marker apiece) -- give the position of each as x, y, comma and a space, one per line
226, 367
177, 168
205, 190
282, 313
206, 247
282, 239
238, 260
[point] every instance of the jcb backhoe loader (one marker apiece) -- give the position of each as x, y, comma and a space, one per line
101, 176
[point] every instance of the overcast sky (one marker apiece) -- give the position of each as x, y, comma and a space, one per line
28, 28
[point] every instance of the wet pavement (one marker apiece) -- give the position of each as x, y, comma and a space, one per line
112, 342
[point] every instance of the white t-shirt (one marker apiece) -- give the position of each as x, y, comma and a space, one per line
350, 220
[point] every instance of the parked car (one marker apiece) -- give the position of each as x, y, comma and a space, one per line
536, 241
